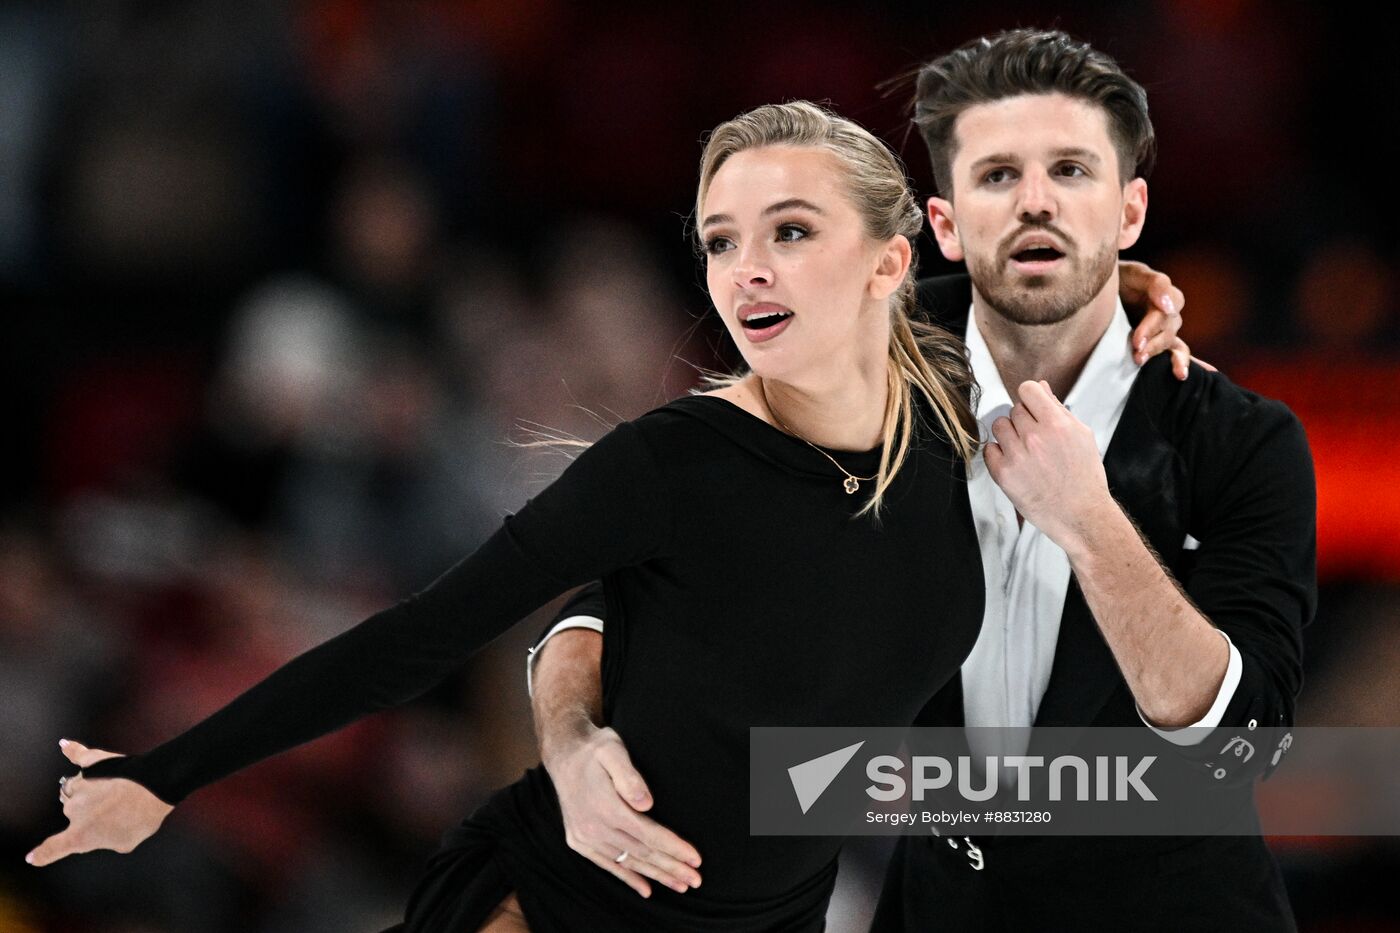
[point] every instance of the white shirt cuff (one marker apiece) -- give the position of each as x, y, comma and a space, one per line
1196, 733
588, 622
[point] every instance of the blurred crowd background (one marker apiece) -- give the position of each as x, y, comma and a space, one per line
282, 282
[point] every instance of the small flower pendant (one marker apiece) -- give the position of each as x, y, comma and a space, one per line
851, 484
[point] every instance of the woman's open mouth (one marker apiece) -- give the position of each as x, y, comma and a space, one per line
763, 322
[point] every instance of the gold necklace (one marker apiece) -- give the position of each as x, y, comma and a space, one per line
851, 483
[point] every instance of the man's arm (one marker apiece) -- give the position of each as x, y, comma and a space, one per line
1172, 657
1253, 572
601, 795
567, 699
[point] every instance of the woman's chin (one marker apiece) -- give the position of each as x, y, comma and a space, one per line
766, 366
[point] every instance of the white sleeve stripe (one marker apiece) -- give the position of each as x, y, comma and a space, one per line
588, 622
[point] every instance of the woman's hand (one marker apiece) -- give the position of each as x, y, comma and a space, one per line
103, 813
1143, 288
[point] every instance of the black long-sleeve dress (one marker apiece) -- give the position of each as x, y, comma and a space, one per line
743, 593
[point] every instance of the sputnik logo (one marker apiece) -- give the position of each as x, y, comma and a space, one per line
811, 778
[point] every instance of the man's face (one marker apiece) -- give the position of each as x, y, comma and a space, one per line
1038, 210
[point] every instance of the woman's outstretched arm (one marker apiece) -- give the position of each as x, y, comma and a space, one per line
607, 511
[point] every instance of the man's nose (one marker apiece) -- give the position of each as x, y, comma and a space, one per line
1037, 197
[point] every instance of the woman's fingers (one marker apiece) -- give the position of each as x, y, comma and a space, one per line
103, 813
1141, 287
1154, 335
1181, 359
68, 795
59, 845
81, 755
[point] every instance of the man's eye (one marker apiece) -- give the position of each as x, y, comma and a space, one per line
1072, 170
791, 233
996, 176
718, 244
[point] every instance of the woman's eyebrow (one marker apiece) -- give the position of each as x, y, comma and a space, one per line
770, 209
791, 203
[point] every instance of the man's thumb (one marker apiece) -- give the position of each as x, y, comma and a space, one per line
628, 783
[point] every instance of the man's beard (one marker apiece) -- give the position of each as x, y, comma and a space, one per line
1040, 300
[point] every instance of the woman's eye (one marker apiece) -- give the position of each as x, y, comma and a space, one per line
791, 233
718, 244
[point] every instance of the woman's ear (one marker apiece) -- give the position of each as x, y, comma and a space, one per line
894, 260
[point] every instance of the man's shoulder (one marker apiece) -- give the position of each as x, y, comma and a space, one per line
1210, 418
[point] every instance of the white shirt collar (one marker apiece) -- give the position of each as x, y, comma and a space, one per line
1098, 395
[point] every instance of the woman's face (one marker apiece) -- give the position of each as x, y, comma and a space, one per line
799, 284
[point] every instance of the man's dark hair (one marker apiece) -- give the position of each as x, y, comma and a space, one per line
1030, 61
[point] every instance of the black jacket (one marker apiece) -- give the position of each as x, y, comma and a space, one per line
1232, 470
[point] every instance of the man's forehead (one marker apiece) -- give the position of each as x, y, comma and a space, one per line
1031, 125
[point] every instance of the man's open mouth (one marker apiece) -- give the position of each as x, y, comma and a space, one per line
1037, 254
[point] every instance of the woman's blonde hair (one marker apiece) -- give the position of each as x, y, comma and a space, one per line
921, 356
